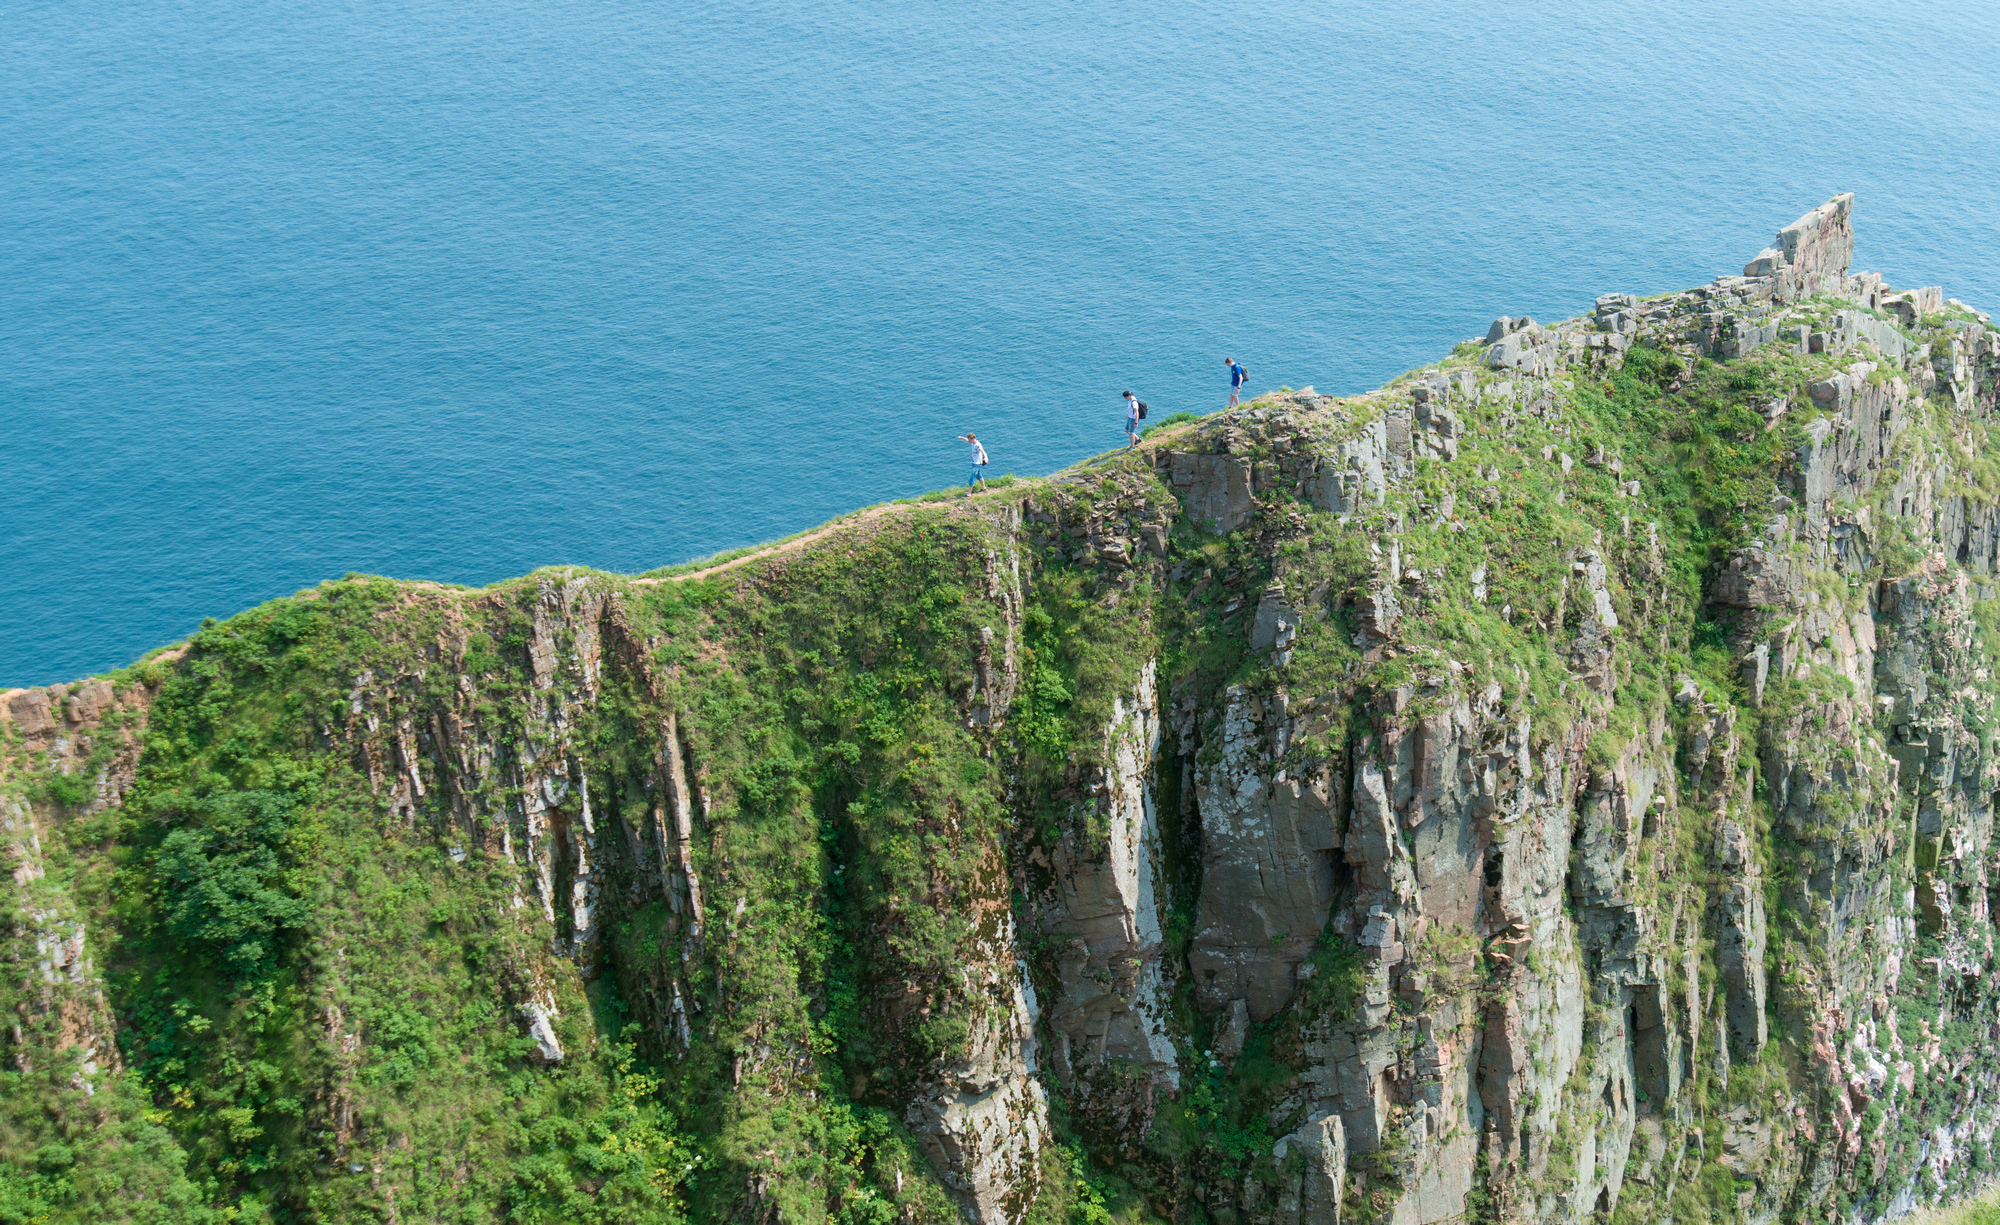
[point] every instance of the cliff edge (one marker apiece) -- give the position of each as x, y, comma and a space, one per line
1556, 786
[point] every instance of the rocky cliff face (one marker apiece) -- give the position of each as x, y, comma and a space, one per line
1555, 786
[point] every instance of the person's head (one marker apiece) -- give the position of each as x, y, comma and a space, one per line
1228, 361
1130, 396
971, 437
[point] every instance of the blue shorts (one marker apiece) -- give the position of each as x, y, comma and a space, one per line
977, 474
1131, 425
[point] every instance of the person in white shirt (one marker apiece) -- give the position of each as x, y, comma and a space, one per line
978, 461
1131, 419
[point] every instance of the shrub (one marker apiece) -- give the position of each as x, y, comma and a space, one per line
224, 879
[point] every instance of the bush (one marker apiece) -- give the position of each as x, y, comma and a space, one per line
69, 790
224, 879
1338, 981
1041, 708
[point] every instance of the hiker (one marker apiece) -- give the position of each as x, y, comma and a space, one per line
1236, 376
1133, 411
978, 462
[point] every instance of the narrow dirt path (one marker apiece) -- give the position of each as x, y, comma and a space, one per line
787, 546
876, 512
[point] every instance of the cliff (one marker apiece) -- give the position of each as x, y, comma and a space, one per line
1557, 786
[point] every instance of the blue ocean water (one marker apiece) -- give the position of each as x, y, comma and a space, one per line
451, 289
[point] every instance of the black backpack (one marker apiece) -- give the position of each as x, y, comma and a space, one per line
1142, 410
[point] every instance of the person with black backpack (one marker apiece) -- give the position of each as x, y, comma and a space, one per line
1135, 412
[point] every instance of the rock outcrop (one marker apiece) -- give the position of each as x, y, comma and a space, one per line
1112, 1001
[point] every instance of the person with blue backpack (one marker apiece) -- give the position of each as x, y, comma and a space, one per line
1236, 376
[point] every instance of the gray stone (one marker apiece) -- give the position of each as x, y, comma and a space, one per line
1732, 845
1371, 842
1740, 953
539, 1013
1769, 262
1269, 849
1884, 335
984, 1121
1515, 351
1746, 1141
1601, 608
1757, 672
1811, 255
1746, 338
1359, 473
1313, 1195
1759, 578
1216, 490
1111, 1000
1277, 621
1233, 1032
1656, 1045
1377, 609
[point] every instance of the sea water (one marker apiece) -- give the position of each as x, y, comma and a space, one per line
451, 289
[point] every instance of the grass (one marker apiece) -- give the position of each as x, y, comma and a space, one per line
728, 555
1981, 1209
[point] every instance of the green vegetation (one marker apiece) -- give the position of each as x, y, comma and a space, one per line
580, 898
1155, 429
